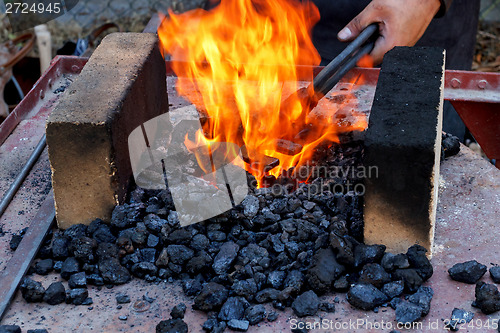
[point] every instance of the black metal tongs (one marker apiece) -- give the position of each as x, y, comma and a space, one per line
331, 74
345, 61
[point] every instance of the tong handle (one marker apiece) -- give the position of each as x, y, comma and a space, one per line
345, 57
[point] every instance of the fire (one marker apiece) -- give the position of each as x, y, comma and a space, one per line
238, 63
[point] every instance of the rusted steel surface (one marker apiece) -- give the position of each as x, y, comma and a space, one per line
472, 86
18, 265
19, 134
483, 121
44, 93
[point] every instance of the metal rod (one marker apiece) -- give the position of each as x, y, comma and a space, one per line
18, 87
335, 64
22, 175
26, 251
328, 85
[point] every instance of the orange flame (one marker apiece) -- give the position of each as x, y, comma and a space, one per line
237, 63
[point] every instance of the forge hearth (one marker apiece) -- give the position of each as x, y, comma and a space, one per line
107, 169
281, 245
465, 230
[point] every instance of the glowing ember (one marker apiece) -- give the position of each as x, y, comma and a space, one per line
237, 63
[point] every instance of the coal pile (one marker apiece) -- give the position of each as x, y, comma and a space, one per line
487, 296
280, 247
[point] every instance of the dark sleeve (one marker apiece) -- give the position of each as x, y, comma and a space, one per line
445, 4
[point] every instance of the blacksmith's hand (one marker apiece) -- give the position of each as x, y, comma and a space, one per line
401, 23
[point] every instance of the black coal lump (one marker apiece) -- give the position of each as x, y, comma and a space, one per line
324, 270
78, 280
343, 249
211, 297
209, 324
393, 289
374, 274
327, 307
15, 241
390, 261
147, 255
267, 295
306, 304
365, 254
77, 296
419, 261
179, 254
126, 215
495, 274
275, 279
55, 294
224, 259
60, 246
122, 298
172, 325
365, 296
95, 280
410, 277
10, 329
487, 297
450, 145
341, 284
112, 272
70, 266
191, 287
459, 317
255, 314
407, 312
467, 272
233, 308
394, 302
142, 269
32, 291
246, 288
103, 234
178, 311
238, 325
76, 231
272, 316
44, 267
422, 298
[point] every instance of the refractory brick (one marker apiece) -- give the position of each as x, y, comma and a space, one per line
403, 142
122, 86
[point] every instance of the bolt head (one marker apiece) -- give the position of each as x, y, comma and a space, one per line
455, 83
